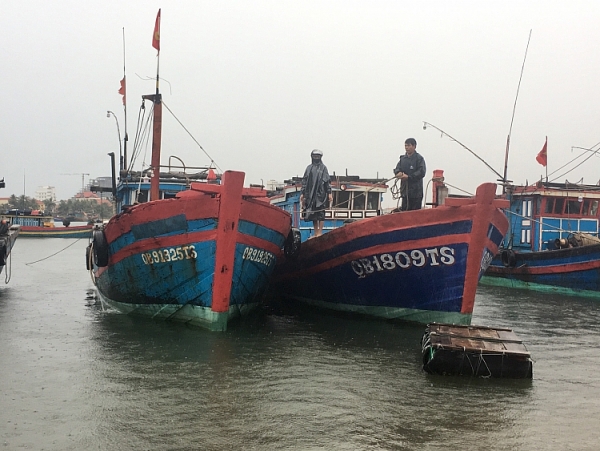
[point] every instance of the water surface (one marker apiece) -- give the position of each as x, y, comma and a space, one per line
76, 376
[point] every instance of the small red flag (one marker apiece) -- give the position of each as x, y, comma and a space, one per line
156, 34
542, 156
122, 90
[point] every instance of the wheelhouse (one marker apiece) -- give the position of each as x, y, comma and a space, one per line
543, 213
353, 199
134, 187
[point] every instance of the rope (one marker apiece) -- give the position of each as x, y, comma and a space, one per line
90, 263
192, 136
58, 252
8, 269
362, 193
559, 229
395, 192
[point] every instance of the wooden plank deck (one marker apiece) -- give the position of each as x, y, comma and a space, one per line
475, 350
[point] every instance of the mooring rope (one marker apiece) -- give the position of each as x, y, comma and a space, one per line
91, 263
58, 252
8, 269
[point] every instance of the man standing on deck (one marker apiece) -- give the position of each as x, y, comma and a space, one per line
411, 170
316, 191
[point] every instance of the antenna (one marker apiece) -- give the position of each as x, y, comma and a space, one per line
513, 118
82, 174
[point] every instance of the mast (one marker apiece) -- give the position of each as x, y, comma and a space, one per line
504, 179
156, 144
157, 128
123, 165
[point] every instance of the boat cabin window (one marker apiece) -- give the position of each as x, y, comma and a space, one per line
590, 207
527, 208
573, 207
586, 207
559, 203
372, 201
358, 200
570, 206
341, 199
142, 197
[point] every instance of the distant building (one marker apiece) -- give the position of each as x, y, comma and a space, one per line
88, 195
45, 192
104, 182
272, 185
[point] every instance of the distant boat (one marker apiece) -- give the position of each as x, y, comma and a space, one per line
8, 236
36, 224
186, 246
552, 244
420, 266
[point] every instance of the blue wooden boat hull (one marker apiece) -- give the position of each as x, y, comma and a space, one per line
419, 266
181, 290
552, 245
198, 258
573, 271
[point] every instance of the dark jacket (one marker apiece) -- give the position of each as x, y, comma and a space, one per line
414, 167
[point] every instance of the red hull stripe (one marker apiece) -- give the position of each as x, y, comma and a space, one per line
150, 244
554, 269
253, 241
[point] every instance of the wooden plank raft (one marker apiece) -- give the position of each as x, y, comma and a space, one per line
475, 351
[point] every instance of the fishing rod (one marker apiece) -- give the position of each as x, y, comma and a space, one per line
427, 124
502, 178
504, 181
594, 152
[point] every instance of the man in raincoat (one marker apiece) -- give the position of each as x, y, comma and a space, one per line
316, 191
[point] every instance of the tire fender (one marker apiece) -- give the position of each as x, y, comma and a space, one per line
509, 259
291, 247
100, 247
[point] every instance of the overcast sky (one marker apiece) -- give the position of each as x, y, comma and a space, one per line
261, 83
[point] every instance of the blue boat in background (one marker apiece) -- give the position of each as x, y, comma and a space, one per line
36, 224
552, 243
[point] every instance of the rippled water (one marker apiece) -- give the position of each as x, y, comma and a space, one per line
74, 376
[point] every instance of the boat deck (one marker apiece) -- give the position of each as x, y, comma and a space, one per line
475, 351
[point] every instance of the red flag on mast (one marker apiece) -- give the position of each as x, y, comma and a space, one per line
156, 34
542, 156
122, 89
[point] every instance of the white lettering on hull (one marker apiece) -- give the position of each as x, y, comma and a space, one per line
403, 260
259, 256
169, 254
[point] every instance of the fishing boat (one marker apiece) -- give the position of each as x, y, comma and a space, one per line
187, 244
552, 243
36, 224
419, 266
8, 236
